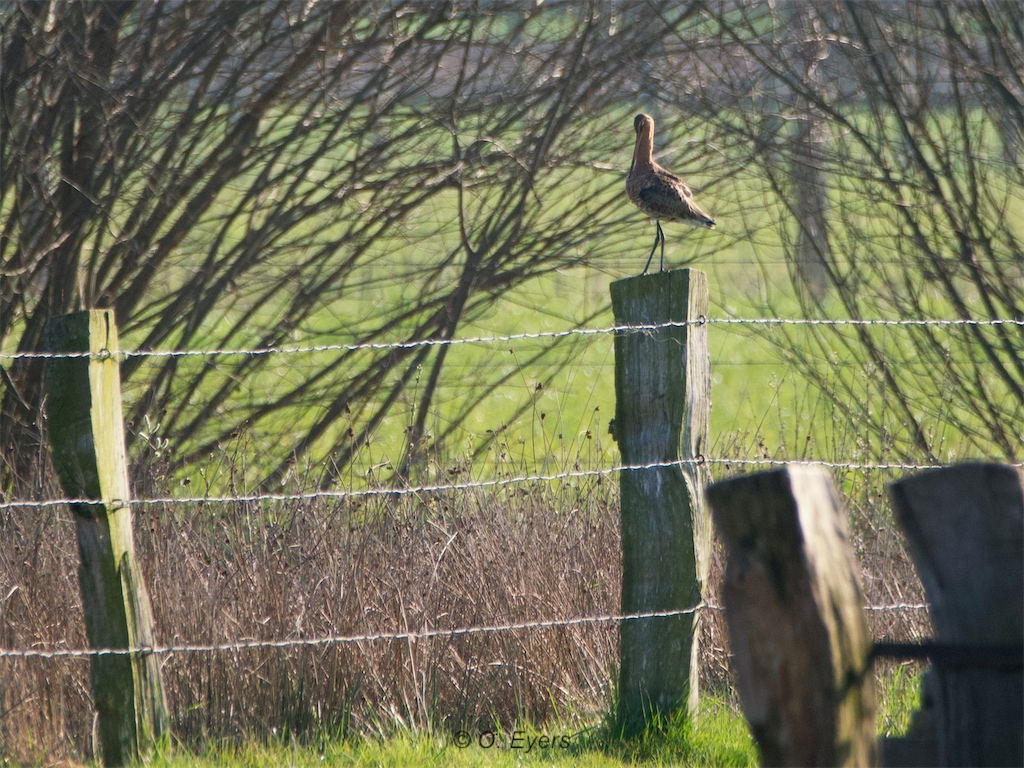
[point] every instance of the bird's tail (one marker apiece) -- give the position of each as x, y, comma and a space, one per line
693, 215
700, 219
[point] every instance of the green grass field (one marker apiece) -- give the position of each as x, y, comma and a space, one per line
503, 404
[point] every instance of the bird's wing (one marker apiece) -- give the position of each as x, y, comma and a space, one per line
665, 200
669, 198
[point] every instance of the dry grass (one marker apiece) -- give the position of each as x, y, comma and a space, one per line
300, 570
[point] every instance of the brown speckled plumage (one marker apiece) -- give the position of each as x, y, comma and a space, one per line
657, 192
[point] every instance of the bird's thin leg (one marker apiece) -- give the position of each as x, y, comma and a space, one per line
661, 236
657, 237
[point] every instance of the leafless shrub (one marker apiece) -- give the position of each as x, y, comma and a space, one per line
887, 136
237, 175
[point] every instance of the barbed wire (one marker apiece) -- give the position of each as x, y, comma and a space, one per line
473, 484
503, 339
405, 635
424, 634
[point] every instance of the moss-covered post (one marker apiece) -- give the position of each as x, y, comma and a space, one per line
86, 429
662, 411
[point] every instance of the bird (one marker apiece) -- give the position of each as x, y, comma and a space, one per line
658, 192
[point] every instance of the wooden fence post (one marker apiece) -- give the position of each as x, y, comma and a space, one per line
87, 440
663, 406
795, 614
965, 531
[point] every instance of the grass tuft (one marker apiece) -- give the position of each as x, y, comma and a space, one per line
719, 738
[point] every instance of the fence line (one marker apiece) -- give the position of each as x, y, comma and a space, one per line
424, 634
143, 646
471, 485
386, 346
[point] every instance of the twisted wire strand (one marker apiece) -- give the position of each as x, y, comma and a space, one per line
386, 346
471, 485
406, 635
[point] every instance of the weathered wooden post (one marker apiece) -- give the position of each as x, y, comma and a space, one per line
87, 440
795, 614
965, 531
663, 406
